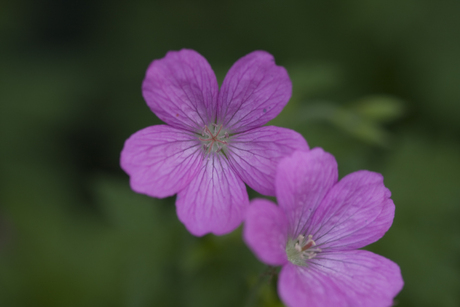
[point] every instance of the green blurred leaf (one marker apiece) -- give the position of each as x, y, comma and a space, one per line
360, 127
379, 109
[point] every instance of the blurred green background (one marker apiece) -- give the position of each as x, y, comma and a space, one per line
376, 83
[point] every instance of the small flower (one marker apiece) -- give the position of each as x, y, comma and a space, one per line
316, 230
213, 142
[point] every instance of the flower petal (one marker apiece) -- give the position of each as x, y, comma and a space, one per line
255, 154
161, 160
356, 212
215, 201
266, 231
254, 91
181, 89
302, 181
348, 279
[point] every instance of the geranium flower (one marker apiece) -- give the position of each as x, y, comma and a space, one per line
316, 230
213, 140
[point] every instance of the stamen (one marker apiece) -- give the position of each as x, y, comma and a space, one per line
302, 249
211, 138
222, 142
298, 243
209, 131
309, 243
219, 131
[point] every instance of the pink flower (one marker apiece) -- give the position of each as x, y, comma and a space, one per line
213, 142
316, 230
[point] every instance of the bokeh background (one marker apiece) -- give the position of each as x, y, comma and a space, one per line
376, 83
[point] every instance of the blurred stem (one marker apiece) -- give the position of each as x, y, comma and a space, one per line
265, 277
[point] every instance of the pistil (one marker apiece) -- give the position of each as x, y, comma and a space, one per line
213, 138
301, 249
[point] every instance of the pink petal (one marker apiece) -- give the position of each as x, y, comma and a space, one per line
356, 212
348, 279
254, 91
302, 181
161, 160
266, 231
255, 154
181, 89
215, 201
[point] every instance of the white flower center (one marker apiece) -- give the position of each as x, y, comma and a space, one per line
301, 249
214, 138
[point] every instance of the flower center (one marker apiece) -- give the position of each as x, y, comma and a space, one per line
214, 138
301, 249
